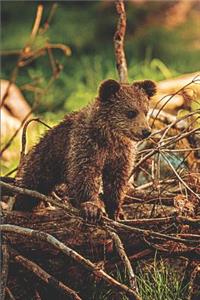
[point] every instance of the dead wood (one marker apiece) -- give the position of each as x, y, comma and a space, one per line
127, 265
194, 285
47, 238
57, 241
4, 269
139, 236
119, 42
188, 89
47, 278
17, 108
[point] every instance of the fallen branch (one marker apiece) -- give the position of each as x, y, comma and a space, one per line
109, 222
45, 237
4, 269
44, 276
34, 194
148, 233
128, 268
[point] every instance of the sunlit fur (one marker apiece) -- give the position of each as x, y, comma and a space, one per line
96, 144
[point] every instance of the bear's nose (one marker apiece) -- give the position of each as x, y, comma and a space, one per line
146, 133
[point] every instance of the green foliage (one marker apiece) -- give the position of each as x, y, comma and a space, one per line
161, 281
157, 281
152, 51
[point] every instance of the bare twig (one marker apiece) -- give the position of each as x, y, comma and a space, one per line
51, 80
109, 265
36, 195
178, 123
10, 294
37, 21
178, 176
4, 269
192, 293
119, 42
44, 276
66, 50
22, 52
24, 134
116, 225
11, 172
48, 21
31, 55
165, 144
196, 79
150, 221
16, 133
144, 232
120, 249
72, 254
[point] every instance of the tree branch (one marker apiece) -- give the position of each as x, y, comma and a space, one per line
86, 263
39, 272
119, 42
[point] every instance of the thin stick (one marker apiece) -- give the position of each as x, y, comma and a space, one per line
179, 177
43, 275
4, 269
35, 194
191, 288
24, 134
22, 53
119, 42
177, 123
113, 223
149, 184
158, 147
72, 254
37, 21
51, 80
195, 79
10, 294
135, 257
15, 133
150, 221
11, 172
48, 21
144, 232
120, 249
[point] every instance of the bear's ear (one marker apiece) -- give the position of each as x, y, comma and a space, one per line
148, 86
107, 89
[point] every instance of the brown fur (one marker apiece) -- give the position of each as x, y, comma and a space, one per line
96, 144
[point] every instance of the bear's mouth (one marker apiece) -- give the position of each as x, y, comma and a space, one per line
136, 137
133, 137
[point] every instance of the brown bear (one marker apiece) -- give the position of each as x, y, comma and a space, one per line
92, 146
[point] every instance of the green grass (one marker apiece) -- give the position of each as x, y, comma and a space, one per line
161, 282
152, 52
157, 281
34, 132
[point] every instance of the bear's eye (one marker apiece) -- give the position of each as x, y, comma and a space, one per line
131, 114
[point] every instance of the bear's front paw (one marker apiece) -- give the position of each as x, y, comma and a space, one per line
91, 212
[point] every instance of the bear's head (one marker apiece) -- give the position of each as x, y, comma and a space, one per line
126, 106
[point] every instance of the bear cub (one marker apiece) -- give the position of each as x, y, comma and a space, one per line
89, 148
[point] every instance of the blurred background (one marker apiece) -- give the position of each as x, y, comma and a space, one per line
73, 48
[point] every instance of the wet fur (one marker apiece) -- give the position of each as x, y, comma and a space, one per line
96, 144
